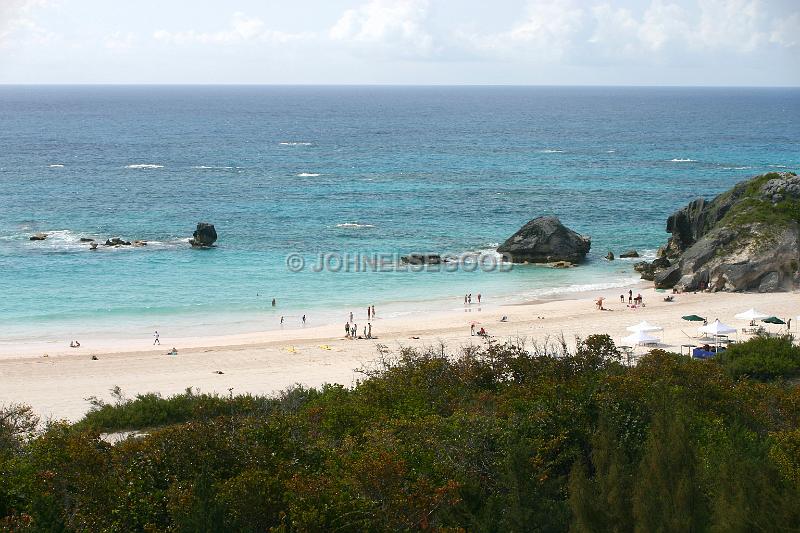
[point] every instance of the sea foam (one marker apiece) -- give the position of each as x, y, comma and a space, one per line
144, 165
308, 175
295, 143
56, 166
354, 225
678, 160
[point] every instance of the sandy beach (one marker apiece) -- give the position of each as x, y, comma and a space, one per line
57, 385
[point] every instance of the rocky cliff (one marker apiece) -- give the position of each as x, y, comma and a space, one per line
744, 239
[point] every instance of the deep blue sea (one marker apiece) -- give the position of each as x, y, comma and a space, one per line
343, 170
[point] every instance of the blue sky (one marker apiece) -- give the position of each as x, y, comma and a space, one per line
569, 42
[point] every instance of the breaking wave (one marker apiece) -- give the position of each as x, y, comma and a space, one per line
295, 143
679, 160
144, 165
308, 175
56, 166
354, 225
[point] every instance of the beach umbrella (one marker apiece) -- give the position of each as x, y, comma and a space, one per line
693, 318
716, 328
773, 320
751, 314
640, 337
644, 325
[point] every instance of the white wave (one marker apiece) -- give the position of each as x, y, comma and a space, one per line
205, 167
56, 165
777, 166
587, 287
294, 143
736, 168
354, 225
677, 160
144, 165
610, 151
549, 151
308, 175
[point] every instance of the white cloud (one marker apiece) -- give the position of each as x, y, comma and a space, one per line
396, 24
120, 41
786, 32
547, 32
17, 22
734, 24
241, 29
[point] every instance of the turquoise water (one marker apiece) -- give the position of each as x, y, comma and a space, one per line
343, 170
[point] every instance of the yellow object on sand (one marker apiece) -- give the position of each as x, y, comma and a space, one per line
291, 349
325, 347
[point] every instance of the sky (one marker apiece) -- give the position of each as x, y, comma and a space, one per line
417, 42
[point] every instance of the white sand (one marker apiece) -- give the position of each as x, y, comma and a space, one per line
263, 363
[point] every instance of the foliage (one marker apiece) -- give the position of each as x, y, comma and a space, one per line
763, 358
549, 437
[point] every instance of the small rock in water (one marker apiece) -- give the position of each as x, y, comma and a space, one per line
629, 254
116, 241
610, 256
87, 239
39, 237
204, 236
93, 246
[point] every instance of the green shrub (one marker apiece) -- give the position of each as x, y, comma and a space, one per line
762, 358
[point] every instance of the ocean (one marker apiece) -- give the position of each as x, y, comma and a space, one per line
343, 171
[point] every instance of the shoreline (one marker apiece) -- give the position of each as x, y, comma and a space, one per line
267, 362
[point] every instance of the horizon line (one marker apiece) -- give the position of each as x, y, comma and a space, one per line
420, 85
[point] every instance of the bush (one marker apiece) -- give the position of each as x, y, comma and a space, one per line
762, 358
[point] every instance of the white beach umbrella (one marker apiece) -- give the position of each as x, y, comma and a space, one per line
716, 328
751, 314
644, 325
640, 337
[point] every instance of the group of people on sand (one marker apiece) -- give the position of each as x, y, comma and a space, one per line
480, 333
74, 344
351, 328
633, 302
468, 299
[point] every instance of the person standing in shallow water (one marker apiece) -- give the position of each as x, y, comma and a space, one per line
351, 317
368, 313
479, 298
373, 312
157, 341
304, 320
273, 302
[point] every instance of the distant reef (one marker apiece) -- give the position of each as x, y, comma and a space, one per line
745, 239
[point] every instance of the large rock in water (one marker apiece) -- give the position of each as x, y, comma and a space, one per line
204, 236
545, 240
745, 239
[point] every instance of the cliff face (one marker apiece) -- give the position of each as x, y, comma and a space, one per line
747, 238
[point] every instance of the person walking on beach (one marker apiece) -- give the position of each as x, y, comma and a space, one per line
479, 298
373, 312
351, 317
347, 330
630, 296
281, 320
354, 331
369, 332
622, 298
157, 341
472, 330
465, 299
365, 332
304, 320
469, 298
368, 313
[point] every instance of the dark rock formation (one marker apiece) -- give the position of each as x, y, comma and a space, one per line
116, 241
646, 269
204, 236
747, 238
93, 246
39, 237
610, 256
545, 240
422, 259
627, 254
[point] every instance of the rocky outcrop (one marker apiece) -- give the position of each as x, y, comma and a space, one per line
627, 254
545, 240
422, 259
610, 256
204, 236
39, 237
745, 239
116, 241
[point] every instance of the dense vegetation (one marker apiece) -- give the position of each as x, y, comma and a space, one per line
502, 438
751, 207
